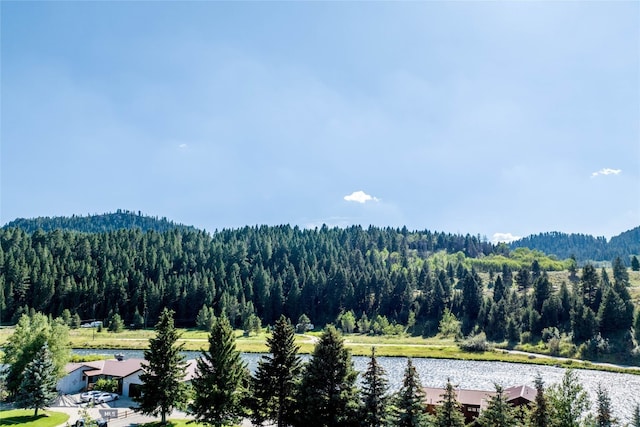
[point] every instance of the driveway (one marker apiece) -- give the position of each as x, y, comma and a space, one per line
118, 413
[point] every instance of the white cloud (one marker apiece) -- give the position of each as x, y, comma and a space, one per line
606, 171
360, 197
504, 237
182, 146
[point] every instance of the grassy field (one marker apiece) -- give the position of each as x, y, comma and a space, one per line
360, 345
25, 418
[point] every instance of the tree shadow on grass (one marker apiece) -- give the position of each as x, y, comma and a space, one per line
20, 419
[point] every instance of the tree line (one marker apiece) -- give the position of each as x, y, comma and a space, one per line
584, 247
380, 280
284, 391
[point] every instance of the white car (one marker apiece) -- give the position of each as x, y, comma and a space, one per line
89, 395
105, 397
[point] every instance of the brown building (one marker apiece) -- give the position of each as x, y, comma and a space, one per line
473, 402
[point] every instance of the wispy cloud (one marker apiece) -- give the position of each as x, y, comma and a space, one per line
606, 171
504, 237
183, 146
360, 197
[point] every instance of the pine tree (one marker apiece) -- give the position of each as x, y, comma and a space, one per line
636, 328
38, 386
499, 413
274, 384
635, 264
116, 324
620, 273
374, 394
449, 413
604, 415
163, 387
327, 395
635, 417
410, 408
221, 377
539, 415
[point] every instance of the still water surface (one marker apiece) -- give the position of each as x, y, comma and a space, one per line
624, 389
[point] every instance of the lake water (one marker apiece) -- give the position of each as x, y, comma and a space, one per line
624, 389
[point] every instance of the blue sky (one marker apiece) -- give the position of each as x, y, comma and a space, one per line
486, 118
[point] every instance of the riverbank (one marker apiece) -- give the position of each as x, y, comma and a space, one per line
360, 345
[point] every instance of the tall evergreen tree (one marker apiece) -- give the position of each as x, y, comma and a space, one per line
636, 328
635, 417
604, 413
635, 264
449, 413
539, 415
590, 286
499, 413
375, 401
620, 273
327, 395
38, 386
274, 384
221, 376
410, 408
163, 388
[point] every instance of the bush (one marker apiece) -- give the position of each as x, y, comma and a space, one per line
526, 337
103, 384
475, 343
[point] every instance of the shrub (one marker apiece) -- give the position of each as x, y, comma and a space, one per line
475, 343
110, 385
525, 337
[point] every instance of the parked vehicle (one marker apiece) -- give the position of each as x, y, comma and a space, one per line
89, 395
105, 397
101, 422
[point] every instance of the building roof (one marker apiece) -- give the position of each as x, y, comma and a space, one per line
479, 397
523, 391
121, 368
465, 397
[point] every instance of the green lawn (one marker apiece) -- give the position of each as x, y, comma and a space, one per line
25, 418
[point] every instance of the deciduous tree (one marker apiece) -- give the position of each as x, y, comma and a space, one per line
30, 334
568, 400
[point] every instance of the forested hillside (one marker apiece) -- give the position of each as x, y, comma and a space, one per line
584, 247
386, 280
121, 219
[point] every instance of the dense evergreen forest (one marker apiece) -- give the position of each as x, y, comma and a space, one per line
121, 219
584, 247
385, 279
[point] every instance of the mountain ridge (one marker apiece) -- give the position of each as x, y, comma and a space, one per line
583, 247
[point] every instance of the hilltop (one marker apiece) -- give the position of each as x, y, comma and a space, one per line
584, 247
98, 223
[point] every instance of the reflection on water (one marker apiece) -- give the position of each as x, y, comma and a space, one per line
624, 389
